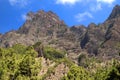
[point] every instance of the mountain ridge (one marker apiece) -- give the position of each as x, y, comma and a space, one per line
97, 40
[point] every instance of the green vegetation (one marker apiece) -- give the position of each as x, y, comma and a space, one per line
22, 63
53, 54
19, 63
77, 73
109, 71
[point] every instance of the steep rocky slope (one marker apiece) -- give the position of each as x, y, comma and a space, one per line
102, 41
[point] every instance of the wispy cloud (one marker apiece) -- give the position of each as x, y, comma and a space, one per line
106, 1
26, 17
20, 3
67, 1
82, 16
96, 7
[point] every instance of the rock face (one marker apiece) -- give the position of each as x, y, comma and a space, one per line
115, 13
40, 26
101, 40
0, 35
92, 38
112, 36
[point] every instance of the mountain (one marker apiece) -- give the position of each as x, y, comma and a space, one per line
115, 12
101, 41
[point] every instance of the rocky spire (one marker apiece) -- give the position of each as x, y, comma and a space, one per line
115, 12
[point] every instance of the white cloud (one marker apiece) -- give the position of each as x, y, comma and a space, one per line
106, 1
25, 17
95, 8
67, 1
20, 3
82, 16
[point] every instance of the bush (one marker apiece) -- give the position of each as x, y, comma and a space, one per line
19, 63
19, 48
77, 73
53, 54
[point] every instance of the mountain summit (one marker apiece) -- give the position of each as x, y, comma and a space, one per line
115, 12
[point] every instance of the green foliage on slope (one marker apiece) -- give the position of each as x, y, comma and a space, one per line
77, 73
53, 54
19, 63
108, 71
22, 63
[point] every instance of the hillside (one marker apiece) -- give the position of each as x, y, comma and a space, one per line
44, 47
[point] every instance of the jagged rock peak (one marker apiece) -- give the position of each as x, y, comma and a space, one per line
40, 20
30, 15
115, 12
42, 14
78, 29
92, 26
79, 26
51, 14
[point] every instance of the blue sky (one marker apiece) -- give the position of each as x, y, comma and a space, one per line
73, 12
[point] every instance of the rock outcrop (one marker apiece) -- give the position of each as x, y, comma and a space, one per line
115, 13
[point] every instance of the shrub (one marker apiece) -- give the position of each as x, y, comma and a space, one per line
53, 54
77, 73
